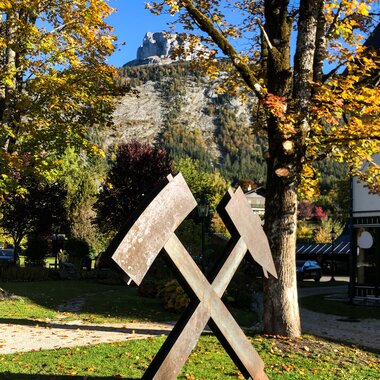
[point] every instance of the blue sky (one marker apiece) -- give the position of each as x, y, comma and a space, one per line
131, 21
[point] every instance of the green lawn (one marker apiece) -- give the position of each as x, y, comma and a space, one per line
103, 303
305, 358
48, 260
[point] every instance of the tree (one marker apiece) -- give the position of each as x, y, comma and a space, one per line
54, 82
36, 250
208, 186
81, 176
137, 169
203, 184
307, 115
34, 213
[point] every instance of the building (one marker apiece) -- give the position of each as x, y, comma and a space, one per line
365, 221
365, 272
332, 257
256, 201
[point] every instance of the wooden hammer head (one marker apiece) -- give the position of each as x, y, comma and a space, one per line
153, 228
248, 225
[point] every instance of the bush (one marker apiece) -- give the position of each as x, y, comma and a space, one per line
174, 297
78, 251
36, 251
77, 248
241, 290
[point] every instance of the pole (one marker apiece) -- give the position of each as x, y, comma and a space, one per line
332, 261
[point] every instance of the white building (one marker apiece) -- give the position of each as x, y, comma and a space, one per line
365, 274
256, 201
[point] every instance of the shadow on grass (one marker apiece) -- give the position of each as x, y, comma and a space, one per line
82, 327
19, 376
320, 303
100, 300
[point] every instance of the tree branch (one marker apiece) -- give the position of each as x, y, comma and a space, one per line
332, 26
59, 28
206, 25
266, 36
331, 73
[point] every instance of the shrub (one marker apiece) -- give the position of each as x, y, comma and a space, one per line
241, 290
174, 297
36, 251
77, 248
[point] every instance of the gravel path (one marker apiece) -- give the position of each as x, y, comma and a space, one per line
45, 335
21, 338
365, 332
362, 332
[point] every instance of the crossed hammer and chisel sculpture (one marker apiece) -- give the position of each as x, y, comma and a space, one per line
153, 230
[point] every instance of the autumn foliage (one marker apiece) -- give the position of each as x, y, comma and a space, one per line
54, 82
136, 170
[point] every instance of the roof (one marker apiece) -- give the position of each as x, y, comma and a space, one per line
342, 246
252, 194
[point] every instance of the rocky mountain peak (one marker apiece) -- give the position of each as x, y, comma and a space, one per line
160, 47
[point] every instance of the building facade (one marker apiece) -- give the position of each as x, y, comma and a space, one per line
365, 272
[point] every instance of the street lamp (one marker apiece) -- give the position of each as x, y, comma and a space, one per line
203, 209
58, 241
333, 237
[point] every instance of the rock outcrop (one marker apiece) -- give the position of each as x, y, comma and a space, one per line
161, 48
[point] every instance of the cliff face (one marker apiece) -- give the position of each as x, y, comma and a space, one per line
189, 103
157, 44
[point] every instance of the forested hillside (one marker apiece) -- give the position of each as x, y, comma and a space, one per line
179, 107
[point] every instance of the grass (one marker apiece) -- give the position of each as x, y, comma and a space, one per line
307, 358
103, 303
321, 304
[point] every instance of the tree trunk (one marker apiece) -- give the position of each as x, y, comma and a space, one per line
285, 158
281, 313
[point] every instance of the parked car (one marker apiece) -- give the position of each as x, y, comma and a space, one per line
308, 269
8, 257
